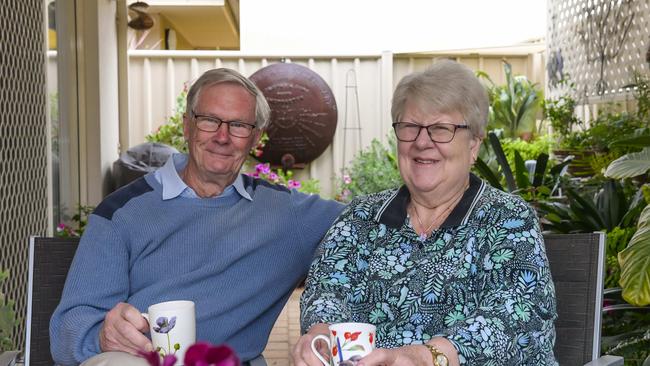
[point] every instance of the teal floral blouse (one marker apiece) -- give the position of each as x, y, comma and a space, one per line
481, 280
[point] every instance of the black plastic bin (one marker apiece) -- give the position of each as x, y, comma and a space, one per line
140, 160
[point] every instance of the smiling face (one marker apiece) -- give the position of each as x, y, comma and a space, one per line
435, 171
217, 157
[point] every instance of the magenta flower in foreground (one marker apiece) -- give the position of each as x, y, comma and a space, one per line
153, 358
205, 354
199, 354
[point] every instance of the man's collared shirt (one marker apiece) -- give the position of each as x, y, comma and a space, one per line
174, 186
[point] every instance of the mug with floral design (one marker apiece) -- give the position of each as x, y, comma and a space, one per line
347, 343
173, 327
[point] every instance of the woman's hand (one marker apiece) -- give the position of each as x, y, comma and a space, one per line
302, 353
412, 355
403, 356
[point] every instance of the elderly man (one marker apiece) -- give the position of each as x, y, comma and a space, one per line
197, 230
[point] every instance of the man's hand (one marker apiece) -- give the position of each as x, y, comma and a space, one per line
123, 330
302, 353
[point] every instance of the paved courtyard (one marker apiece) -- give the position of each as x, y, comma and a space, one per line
285, 333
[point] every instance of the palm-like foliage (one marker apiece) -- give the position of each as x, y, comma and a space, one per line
513, 106
581, 212
517, 178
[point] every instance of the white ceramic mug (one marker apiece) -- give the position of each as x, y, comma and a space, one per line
347, 343
173, 327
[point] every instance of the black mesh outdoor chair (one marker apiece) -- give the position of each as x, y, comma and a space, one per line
577, 265
49, 261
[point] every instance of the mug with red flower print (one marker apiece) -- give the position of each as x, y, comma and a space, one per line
347, 343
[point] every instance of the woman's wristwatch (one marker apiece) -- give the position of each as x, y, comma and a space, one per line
439, 358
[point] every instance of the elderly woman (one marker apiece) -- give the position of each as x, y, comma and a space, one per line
449, 269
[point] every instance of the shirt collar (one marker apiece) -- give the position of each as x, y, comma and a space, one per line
173, 185
393, 212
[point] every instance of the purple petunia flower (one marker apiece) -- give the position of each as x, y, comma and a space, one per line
164, 325
263, 168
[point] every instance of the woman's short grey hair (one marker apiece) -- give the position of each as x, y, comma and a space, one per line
223, 75
445, 87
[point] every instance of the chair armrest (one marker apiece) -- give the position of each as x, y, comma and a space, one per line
9, 358
607, 361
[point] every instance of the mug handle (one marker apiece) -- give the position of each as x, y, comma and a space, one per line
145, 316
313, 348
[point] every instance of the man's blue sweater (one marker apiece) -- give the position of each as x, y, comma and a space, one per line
237, 259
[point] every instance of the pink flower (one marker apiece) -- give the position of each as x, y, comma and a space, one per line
293, 183
263, 168
347, 179
153, 358
273, 177
199, 354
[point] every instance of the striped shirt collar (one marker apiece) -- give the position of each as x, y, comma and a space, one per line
174, 186
393, 212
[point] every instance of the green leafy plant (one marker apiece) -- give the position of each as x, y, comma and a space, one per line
642, 96
635, 258
372, 170
7, 318
625, 330
515, 178
513, 106
80, 220
560, 112
617, 240
171, 133
581, 211
528, 150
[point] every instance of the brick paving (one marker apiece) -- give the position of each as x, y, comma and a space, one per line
285, 333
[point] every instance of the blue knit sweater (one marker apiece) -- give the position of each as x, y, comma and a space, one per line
238, 260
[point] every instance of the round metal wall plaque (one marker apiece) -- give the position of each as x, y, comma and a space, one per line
303, 113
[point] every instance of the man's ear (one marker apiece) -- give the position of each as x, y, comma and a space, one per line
186, 127
257, 135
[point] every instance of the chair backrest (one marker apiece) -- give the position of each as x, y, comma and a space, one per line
577, 265
49, 261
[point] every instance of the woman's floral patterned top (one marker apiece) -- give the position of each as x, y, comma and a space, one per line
481, 280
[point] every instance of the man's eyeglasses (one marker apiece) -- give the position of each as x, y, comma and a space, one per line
208, 123
439, 132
